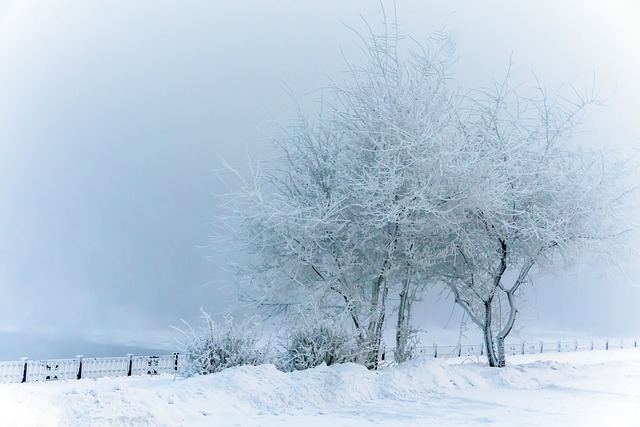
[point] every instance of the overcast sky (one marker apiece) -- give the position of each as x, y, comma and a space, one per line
114, 116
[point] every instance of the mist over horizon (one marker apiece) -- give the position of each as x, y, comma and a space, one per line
117, 115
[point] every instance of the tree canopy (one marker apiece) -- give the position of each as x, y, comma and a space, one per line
402, 183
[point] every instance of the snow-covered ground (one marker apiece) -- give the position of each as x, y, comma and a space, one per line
599, 388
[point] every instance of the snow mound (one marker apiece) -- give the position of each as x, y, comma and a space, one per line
562, 389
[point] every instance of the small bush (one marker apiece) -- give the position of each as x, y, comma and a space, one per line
218, 347
311, 346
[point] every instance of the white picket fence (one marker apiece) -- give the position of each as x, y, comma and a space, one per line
515, 348
80, 367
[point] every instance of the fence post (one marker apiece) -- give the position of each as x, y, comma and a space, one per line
130, 356
522, 347
575, 345
482, 349
606, 345
541, 347
175, 363
435, 351
559, 346
592, 344
635, 343
79, 357
24, 361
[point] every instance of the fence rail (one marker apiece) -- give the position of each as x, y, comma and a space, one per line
80, 367
523, 347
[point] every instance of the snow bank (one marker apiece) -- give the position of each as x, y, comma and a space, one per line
597, 388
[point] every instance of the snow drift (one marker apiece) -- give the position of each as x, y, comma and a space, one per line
581, 389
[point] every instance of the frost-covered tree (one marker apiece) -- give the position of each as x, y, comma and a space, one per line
351, 208
537, 205
401, 183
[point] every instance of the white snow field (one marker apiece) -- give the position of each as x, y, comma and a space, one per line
597, 388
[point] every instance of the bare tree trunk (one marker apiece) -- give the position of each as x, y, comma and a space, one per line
401, 332
379, 293
376, 316
375, 357
513, 311
501, 356
376, 322
488, 335
403, 351
483, 324
494, 360
502, 335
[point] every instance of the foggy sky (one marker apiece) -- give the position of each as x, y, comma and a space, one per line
114, 116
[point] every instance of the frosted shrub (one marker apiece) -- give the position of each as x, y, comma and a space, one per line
217, 347
311, 346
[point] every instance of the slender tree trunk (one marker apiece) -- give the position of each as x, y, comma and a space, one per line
483, 324
400, 353
375, 328
379, 293
403, 352
502, 335
513, 311
379, 328
375, 315
494, 359
488, 335
502, 362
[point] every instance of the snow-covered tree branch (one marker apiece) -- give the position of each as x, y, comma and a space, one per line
401, 183
542, 204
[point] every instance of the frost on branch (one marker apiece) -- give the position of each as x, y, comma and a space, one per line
537, 205
214, 347
308, 346
349, 214
402, 183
